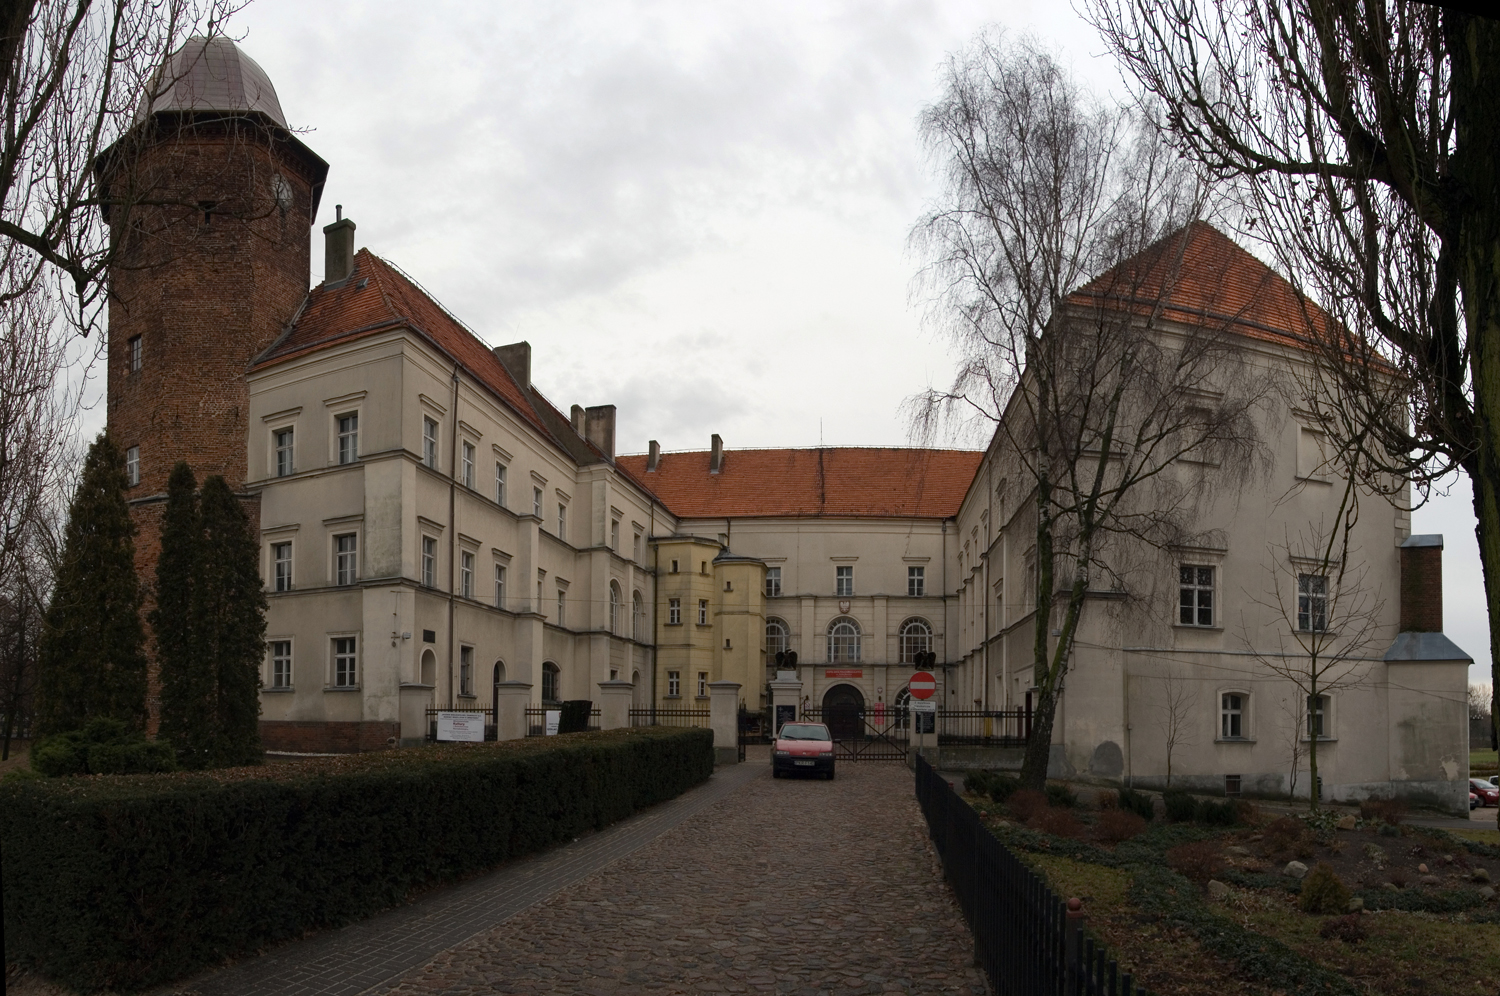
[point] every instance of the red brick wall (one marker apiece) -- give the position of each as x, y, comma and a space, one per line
328, 737
1422, 589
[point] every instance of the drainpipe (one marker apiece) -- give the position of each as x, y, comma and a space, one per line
655, 597
452, 531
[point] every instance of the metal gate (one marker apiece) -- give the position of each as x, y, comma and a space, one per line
866, 733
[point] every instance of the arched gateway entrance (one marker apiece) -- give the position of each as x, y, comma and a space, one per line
844, 712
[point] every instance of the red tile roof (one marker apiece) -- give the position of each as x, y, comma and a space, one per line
378, 297
1201, 276
834, 481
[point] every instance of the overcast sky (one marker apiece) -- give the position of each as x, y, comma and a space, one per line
694, 211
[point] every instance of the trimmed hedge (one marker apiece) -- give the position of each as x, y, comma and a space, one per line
134, 880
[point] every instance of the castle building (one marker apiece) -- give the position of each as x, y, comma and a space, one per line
436, 533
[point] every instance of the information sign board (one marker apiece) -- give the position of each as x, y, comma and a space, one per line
554, 716
462, 726
923, 705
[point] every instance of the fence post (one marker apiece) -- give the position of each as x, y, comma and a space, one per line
1073, 941
614, 704
511, 700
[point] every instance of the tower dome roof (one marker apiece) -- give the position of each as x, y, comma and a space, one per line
212, 74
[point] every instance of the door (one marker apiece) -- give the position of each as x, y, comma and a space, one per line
844, 712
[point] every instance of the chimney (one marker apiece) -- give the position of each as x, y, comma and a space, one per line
516, 358
576, 417
1422, 584
653, 456
599, 428
338, 248
716, 454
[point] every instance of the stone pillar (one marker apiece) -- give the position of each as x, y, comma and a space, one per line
614, 704
786, 692
511, 700
724, 716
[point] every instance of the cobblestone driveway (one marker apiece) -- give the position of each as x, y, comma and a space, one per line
787, 886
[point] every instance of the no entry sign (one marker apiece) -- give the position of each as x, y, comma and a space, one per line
923, 685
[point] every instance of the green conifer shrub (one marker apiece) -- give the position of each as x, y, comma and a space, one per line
90, 659
1181, 807
105, 746
1323, 892
187, 678
1138, 803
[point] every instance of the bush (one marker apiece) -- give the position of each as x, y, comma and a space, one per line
1108, 800
977, 783
103, 747
1025, 803
131, 881
1181, 807
1059, 794
1118, 824
1199, 860
1388, 811
1057, 822
991, 783
1138, 803
1349, 928
1219, 814
1323, 891
1284, 834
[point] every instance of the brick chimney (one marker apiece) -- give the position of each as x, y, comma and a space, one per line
1422, 584
653, 456
516, 358
338, 247
575, 416
716, 454
599, 428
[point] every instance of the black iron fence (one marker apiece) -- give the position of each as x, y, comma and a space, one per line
652, 716
984, 728
1024, 938
487, 711
536, 719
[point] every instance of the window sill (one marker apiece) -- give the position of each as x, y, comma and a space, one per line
1321, 740
673, 697
700, 698
277, 688
341, 688
1198, 629
671, 624
467, 695
1234, 740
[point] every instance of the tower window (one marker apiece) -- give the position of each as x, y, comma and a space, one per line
133, 466
134, 354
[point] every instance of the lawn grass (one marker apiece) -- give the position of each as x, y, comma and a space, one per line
1486, 761
1482, 836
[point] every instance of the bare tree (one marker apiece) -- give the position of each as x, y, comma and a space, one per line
1292, 732
1051, 258
1481, 701
1365, 137
1179, 704
1330, 620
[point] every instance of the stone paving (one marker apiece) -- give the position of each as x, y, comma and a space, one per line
785, 886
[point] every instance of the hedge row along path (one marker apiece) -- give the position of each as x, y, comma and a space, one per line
743, 885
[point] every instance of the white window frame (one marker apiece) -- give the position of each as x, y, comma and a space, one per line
344, 661
674, 684
467, 465
674, 612
778, 638
284, 451
843, 581
536, 502
913, 643
429, 442
562, 607
281, 580
550, 670
465, 574
1312, 603
773, 582
562, 521
840, 649
637, 615
703, 684
133, 354
499, 586
428, 565
133, 466
916, 582
614, 608
702, 612
1193, 592
1323, 714
346, 437
500, 473
635, 549
1234, 713
281, 663
345, 561
466, 670
614, 535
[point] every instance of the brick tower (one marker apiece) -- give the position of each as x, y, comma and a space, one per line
211, 202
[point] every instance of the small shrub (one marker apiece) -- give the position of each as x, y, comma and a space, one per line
1390, 830
1399, 877
103, 747
1057, 822
1284, 834
1060, 795
1108, 801
1219, 814
1116, 825
1025, 803
1181, 807
1303, 849
1248, 812
1199, 860
1323, 891
1138, 803
1002, 787
977, 783
1388, 811
1349, 928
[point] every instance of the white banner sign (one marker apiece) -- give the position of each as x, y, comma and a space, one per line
466, 726
923, 705
553, 716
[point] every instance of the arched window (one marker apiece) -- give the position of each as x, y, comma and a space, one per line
916, 638
499, 672
614, 608
778, 638
843, 640
550, 676
637, 616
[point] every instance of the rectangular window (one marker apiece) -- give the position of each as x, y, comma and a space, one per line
1231, 717
281, 559
466, 574
429, 562
536, 502
562, 522
1312, 603
283, 452
344, 662
466, 670
674, 567
674, 612
844, 581
614, 535
133, 466
539, 591
135, 353
635, 550
702, 612
281, 663
499, 586
562, 605
346, 558
674, 684
349, 438
1317, 708
773, 582
468, 465
916, 581
1231, 785
500, 484
429, 443
702, 684
1195, 595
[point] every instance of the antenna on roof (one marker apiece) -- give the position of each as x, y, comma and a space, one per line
338, 212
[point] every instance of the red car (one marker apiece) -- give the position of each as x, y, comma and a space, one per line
802, 748
1489, 795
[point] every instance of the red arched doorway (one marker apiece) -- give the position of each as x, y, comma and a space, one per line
844, 712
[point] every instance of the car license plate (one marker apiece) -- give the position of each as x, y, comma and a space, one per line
805, 764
